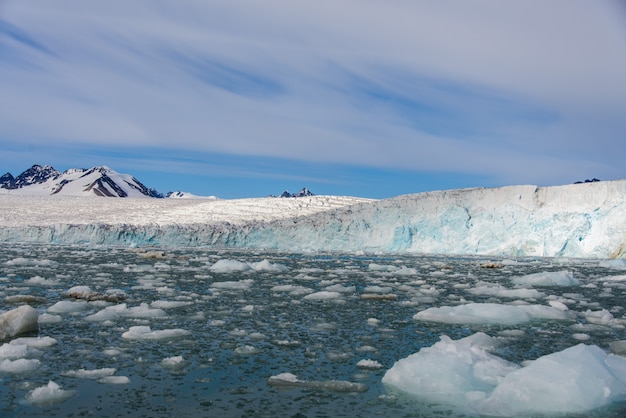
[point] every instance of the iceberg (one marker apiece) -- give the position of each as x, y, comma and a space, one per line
585, 220
466, 374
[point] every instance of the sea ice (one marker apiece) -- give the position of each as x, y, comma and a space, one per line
35, 342
21, 365
49, 394
143, 332
90, 374
464, 373
504, 292
174, 363
369, 364
18, 321
575, 380
323, 295
233, 266
115, 380
234, 285
490, 313
548, 278
291, 380
66, 306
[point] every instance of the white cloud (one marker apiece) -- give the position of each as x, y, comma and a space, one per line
483, 87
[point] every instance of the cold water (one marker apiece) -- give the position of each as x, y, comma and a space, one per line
224, 325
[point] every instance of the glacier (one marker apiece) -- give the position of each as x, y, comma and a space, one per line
585, 220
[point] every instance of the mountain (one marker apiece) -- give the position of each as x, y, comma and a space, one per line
96, 181
302, 193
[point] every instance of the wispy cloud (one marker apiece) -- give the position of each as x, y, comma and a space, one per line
516, 91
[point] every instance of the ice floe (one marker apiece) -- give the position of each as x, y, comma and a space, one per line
490, 313
464, 373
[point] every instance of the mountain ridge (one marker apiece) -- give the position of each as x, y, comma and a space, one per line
100, 181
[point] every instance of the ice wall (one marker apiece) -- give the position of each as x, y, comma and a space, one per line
579, 220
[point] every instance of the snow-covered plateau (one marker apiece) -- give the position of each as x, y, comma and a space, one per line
585, 220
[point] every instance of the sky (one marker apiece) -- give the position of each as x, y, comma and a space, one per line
247, 98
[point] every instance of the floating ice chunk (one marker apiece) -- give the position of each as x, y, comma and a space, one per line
79, 290
234, 285
490, 313
548, 278
66, 306
323, 295
107, 314
265, 265
503, 292
373, 322
13, 351
450, 369
288, 343
575, 380
41, 281
170, 304
21, 365
369, 364
35, 342
378, 289
558, 305
174, 363
229, 266
340, 288
111, 352
238, 332
382, 267
49, 394
246, 350
111, 313
465, 374
292, 289
18, 321
115, 380
291, 380
90, 374
248, 308
21, 261
601, 317
581, 337
46, 318
143, 332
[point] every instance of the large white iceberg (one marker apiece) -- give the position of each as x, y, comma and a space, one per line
578, 220
464, 374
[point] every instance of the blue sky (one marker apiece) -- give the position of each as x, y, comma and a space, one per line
353, 97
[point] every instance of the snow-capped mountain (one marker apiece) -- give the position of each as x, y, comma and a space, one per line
302, 193
96, 181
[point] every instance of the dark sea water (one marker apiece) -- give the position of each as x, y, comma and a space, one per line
256, 318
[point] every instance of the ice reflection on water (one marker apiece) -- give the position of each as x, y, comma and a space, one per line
242, 335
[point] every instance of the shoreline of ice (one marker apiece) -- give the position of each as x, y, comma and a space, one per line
579, 221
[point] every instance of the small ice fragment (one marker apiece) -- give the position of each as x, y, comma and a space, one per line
49, 394
369, 364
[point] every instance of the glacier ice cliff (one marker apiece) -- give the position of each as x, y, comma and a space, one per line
579, 220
